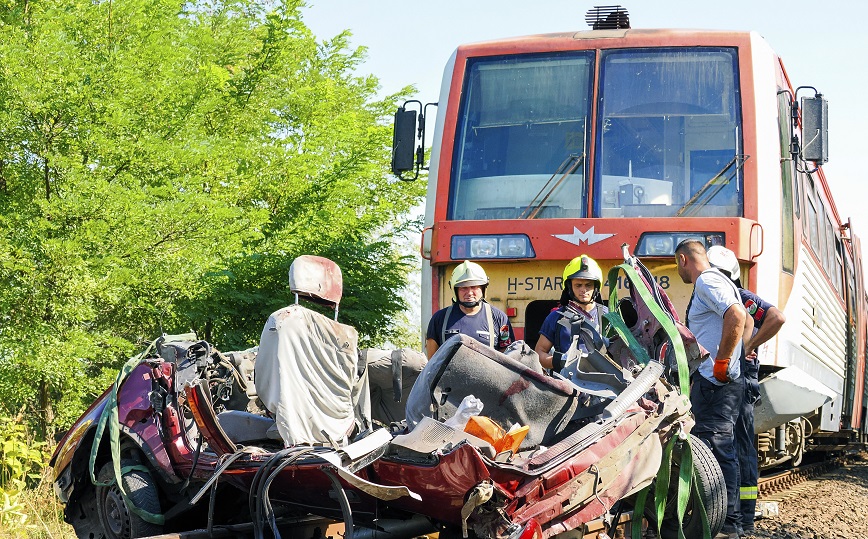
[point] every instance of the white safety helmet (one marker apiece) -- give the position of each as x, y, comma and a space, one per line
468, 274
725, 260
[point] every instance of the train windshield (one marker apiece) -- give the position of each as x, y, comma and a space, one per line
667, 136
523, 131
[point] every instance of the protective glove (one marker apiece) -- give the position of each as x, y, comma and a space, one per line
721, 368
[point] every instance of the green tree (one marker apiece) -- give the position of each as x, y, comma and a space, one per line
161, 164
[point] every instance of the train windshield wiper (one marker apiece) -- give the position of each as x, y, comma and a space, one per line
713, 186
569, 166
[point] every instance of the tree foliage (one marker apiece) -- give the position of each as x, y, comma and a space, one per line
161, 164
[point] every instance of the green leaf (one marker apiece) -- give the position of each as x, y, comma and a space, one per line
161, 171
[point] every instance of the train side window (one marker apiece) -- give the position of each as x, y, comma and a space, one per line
859, 284
851, 292
822, 231
823, 227
839, 267
813, 234
828, 241
807, 186
832, 255
789, 200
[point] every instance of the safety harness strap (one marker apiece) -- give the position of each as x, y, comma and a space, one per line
492, 333
109, 417
664, 320
445, 324
620, 328
489, 318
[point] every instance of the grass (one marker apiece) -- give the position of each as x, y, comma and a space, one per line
44, 514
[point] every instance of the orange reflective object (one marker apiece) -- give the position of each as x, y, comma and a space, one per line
512, 440
486, 429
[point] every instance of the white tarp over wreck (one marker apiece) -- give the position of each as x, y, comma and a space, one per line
308, 375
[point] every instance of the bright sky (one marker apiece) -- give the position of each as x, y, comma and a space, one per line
822, 44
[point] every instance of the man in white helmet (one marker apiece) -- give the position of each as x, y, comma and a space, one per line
469, 313
767, 321
717, 318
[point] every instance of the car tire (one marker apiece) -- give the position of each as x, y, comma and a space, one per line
115, 516
711, 490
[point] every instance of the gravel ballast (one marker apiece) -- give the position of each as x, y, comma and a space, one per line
831, 506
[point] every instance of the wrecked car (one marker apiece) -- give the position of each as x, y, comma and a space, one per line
281, 438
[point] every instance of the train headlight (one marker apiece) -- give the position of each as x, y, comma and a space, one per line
483, 247
492, 246
664, 243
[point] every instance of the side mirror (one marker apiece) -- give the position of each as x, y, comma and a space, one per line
404, 141
407, 140
815, 129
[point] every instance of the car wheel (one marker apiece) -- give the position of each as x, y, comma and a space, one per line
711, 491
115, 516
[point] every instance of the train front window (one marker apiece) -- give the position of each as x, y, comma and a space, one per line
668, 134
521, 138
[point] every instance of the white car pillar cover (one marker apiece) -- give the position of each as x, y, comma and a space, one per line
306, 374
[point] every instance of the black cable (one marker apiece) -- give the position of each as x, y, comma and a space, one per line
252, 497
258, 502
253, 506
186, 505
196, 454
610, 529
211, 502
345, 504
267, 511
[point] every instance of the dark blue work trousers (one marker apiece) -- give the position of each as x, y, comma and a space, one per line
715, 409
744, 441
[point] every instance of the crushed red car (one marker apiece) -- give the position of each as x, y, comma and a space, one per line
275, 439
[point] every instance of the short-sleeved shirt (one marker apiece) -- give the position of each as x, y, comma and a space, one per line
713, 294
756, 306
475, 326
560, 336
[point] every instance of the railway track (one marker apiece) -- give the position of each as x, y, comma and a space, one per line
786, 483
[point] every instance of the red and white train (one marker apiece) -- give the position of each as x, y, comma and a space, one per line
549, 146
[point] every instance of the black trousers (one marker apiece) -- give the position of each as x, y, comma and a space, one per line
744, 441
716, 409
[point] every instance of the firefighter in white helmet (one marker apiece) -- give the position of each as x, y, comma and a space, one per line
469, 313
582, 281
767, 321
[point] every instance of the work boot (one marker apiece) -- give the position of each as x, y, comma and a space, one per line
732, 531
